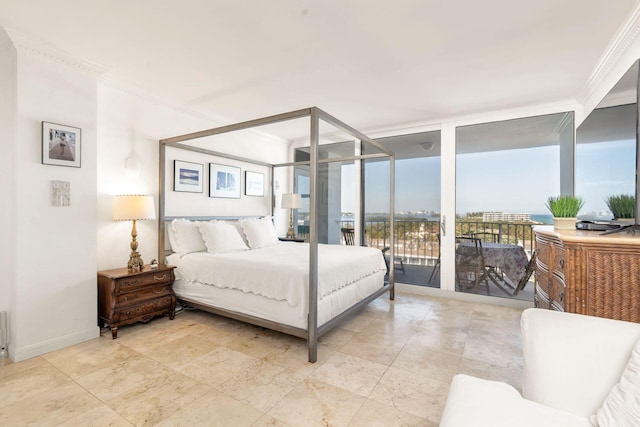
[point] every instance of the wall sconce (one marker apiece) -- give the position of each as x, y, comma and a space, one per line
133, 208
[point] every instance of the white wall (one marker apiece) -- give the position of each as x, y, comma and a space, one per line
131, 121
54, 303
8, 60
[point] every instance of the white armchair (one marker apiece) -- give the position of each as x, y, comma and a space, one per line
571, 362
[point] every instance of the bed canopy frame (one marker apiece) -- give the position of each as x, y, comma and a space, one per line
316, 115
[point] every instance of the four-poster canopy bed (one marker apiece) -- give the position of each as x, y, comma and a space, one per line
247, 286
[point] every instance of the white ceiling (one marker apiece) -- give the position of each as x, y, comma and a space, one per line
371, 63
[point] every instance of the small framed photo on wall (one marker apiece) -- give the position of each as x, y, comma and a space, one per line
253, 184
61, 145
224, 181
188, 177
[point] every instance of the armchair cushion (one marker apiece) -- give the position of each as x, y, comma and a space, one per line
474, 402
572, 361
622, 406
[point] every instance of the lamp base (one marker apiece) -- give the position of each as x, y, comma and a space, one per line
291, 234
135, 262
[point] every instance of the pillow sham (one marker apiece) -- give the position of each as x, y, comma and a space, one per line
621, 408
259, 232
185, 237
220, 237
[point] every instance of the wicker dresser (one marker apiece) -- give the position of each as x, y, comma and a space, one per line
584, 272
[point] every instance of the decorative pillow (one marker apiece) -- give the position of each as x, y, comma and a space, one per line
220, 237
185, 237
621, 408
259, 232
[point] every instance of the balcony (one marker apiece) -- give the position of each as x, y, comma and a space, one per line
417, 244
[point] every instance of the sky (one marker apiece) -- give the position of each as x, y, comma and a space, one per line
509, 181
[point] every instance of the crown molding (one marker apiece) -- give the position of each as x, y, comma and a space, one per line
38, 47
624, 37
6, 44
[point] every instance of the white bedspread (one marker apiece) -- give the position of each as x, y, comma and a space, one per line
281, 271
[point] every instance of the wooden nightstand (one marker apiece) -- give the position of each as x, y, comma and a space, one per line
288, 239
126, 297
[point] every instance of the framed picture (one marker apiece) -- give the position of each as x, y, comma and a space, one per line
224, 181
61, 145
253, 184
187, 176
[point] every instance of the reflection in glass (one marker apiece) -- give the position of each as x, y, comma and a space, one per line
504, 173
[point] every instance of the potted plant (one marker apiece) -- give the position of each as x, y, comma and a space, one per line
565, 210
622, 206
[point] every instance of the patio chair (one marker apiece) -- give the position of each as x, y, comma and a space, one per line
470, 267
349, 236
531, 265
399, 264
436, 267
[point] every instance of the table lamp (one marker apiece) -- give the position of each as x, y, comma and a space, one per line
133, 208
291, 201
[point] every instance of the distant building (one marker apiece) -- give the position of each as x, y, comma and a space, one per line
505, 216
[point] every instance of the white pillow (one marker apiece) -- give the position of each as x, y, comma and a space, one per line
621, 408
221, 237
259, 232
185, 237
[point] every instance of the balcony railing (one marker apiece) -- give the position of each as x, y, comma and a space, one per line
417, 241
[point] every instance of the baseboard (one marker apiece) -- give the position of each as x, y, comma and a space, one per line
462, 296
33, 350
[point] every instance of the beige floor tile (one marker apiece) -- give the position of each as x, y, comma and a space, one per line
314, 403
180, 351
261, 385
217, 366
214, 409
49, 407
358, 322
495, 352
137, 373
77, 361
101, 416
350, 373
152, 403
440, 336
412, 393
376, 414
29, 378
511, 374
294, 355
10, 368
259, 342
203, 369
269, 421
378, 348
427, 361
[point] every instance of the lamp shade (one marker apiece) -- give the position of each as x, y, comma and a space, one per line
126, 208
291, 201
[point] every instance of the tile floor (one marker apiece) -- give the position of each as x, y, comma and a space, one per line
390, 365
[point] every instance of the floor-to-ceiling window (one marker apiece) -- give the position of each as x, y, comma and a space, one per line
505, 171
417, 206
606, 149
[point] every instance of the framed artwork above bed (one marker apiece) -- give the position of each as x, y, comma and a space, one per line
253, 184
188, 177
224, 181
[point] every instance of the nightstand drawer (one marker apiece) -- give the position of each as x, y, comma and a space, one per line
129, 284
140, 310
147, 292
